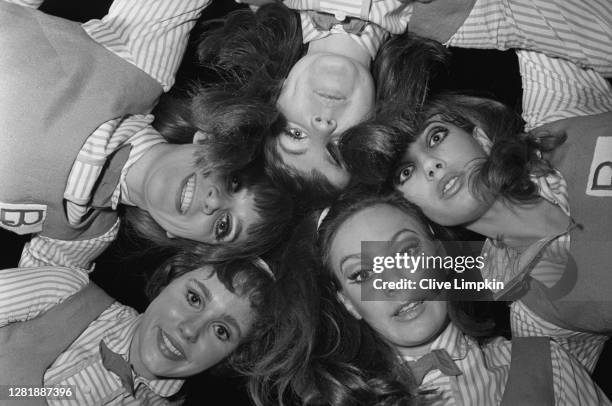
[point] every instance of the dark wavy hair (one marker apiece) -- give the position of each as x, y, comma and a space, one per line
254, 52
347, 362
407, 70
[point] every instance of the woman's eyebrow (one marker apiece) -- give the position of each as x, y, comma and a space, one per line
349, 257
205, 291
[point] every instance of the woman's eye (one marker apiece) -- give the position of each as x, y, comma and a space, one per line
360, 276
223, 226
194, 299
296, 133
437, 136
403, 174
221, 332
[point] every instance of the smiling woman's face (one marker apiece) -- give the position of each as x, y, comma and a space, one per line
210, 208
323, 95
405, 319
193, 323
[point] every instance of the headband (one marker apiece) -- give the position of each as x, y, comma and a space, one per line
263, 266
322, 216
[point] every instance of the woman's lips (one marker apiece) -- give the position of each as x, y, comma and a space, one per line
409, 310
330, 98
449, 185
169, 347
186, 192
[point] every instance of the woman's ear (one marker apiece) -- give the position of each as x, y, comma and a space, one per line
199, 137
481, 137
348, 305
170, 235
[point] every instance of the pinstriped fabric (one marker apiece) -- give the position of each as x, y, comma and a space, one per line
45, 251
151, 34
386, 16
577, 30
112, 135
27, 292
554, 89
141, 142
485, 373
27, 3
81, 365
584, 347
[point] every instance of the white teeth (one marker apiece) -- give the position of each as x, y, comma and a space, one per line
449, 184
408, 307
171, 347
187, 194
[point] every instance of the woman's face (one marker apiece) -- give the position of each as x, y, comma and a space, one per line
404, 318
324, 94
194, 323
185, 202
435, 171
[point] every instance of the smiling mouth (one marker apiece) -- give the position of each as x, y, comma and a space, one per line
186, 195
169, 348
409, 310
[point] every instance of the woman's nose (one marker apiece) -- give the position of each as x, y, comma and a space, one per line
433, 168
324, 124
190, 329
212, 200
394, 276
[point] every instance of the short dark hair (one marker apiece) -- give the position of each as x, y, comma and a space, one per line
311, 191
406, 70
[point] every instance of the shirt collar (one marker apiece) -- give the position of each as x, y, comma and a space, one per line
453, 341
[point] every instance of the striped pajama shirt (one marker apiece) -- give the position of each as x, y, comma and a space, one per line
577, 30
27, 292
152, 35
485, 370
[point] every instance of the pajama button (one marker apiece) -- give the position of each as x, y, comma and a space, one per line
340, 15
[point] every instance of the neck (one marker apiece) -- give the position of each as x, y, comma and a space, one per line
415, 352
520, 224
136, 176
341, 44
418, 351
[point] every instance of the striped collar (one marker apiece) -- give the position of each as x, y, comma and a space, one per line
118, 340
452, 340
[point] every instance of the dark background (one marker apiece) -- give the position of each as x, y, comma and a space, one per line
493, 72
